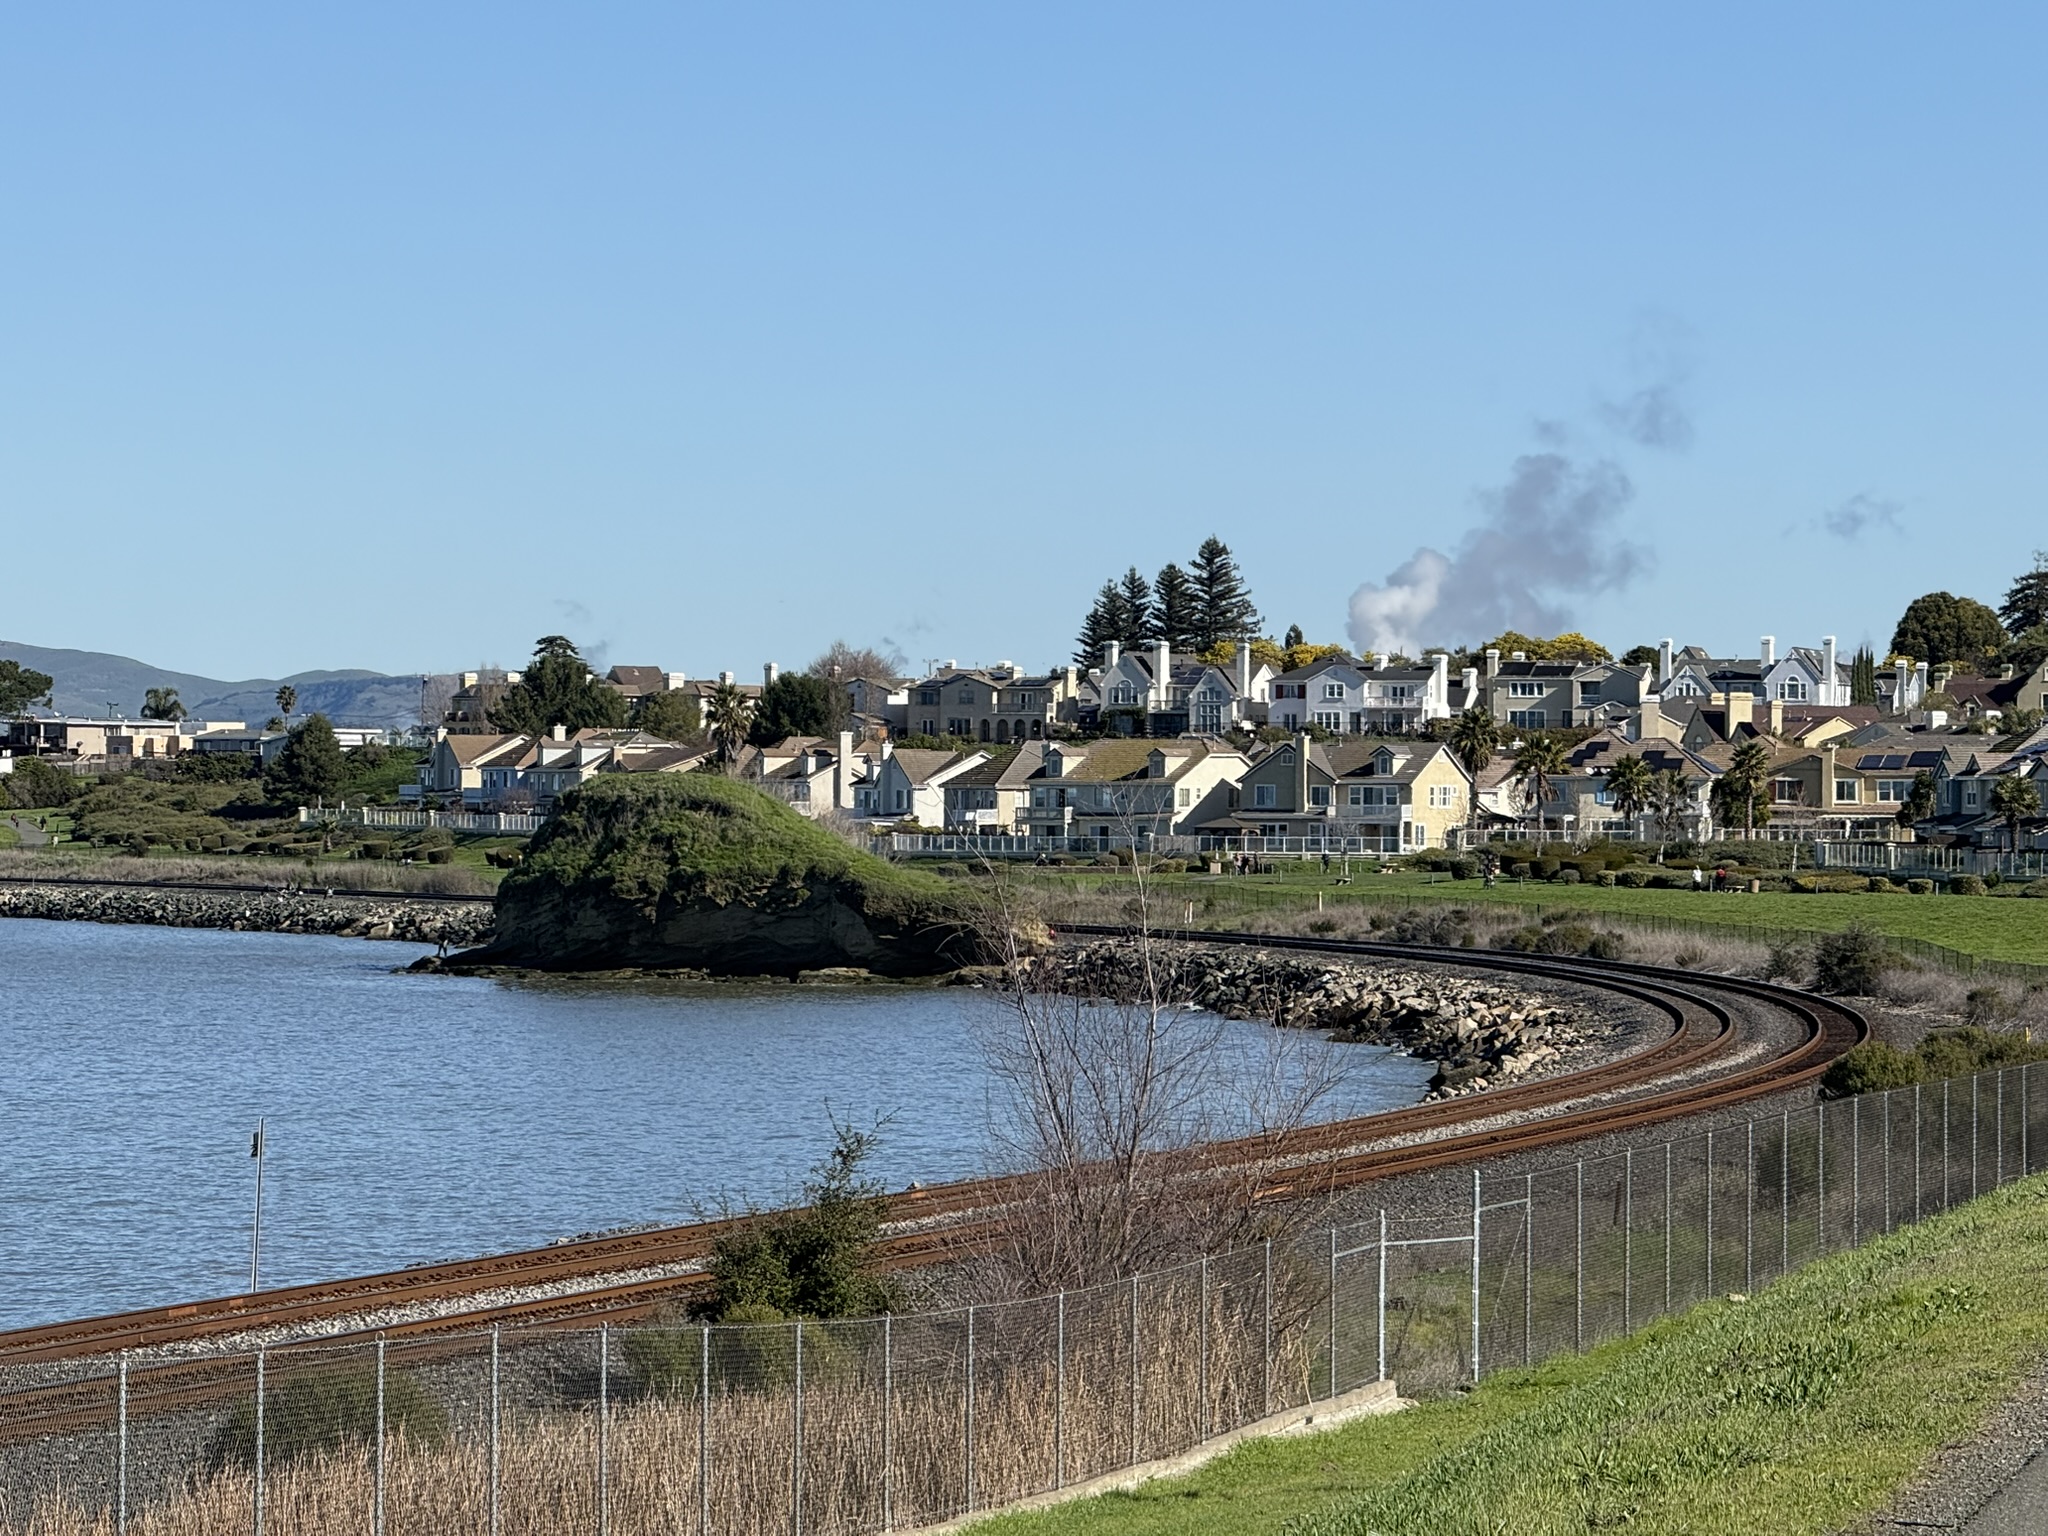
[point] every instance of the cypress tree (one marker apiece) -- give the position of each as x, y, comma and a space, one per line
1223, 608
1174, 610
2026, 605
1136, 596
1103, 624
1863, 676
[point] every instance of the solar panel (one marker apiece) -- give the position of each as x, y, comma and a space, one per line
1870, 761
1925, 760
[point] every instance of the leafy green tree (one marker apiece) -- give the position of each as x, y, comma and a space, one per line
1134, 594
2015, 799
1175, 613
2026, 604
1538, 765
1292, 638
1641, 656
311, 766
35, 786
558, 688
1863, 676
727, 715
287, 700
1628, 787
1671, 803
793, 705
1570, 646
162, 704
1740, 791
813, 1262
2027, 650
1940, 627
673, 715
22, 686
1474, 740
1104, 623
1223, 608
1919, 802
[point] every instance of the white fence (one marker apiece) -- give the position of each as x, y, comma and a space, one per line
490, 823
1924, 858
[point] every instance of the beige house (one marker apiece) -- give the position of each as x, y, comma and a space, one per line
1393, 796
1123, 787
997, 704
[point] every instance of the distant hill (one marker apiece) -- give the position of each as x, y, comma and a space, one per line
94, 683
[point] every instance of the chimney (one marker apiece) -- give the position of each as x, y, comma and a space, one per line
1651, 724
1162, 675
1301, 746
1829, 679
725, 677
952, 664
1379, 661
768, 672
1244, 669
1112, 653
1073, 681
1470, 678
1515, 655
842, 773
1901, 676
560, 732
1919, 681
1777, 717
1440, 680
1492, 664
888, 749
1738, 706
1770, 650
1663, 661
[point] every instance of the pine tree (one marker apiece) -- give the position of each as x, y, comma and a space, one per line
1174, 608
1135, 593
1863, 676
1223, 608
1293, 639
1103, 624
2026, 605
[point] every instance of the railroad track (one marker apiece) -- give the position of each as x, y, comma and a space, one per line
1632, 1092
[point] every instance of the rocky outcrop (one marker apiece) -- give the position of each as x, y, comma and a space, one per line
346, 916
1480, 1033
695, 872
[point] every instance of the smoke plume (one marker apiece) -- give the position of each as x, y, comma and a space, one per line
1863, 511
1546, 536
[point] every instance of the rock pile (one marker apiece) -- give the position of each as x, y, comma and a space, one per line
364, 917
1480, 1033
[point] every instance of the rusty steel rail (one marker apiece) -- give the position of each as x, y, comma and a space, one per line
1308, 1161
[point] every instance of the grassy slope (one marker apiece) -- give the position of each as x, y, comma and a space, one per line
1794, 1412
1993, 927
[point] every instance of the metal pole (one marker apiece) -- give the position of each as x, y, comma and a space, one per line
256, 1150
1266, 1351
1203, 1346
1059, 1396
1579, 1262
1528, 1265
888, 1412
1667, 1227
795, 1440
259, 1442
1885, 1102
1785, 1193
1134, 1370
604, 1427
970, 1407
1381, 1327
1749, 1207
121, 1452
377, 1506
1475, 1275
1855, 1173
1916, 1151
1333, 1311
1974, 1082
1710, 1213
1998, 1129
704, 1432
1820, 1179
1628, 1221
1944, 1145
494, 1428
2026, 1166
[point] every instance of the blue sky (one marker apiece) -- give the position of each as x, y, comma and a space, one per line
381, 338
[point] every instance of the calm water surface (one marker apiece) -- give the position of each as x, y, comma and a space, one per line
426, 1117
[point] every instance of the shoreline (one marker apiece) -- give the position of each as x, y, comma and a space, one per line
342, 914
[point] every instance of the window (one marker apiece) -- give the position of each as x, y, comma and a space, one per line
1529, 719
1265, 796
1442, 795
1845, 791
1333, 690
1421, 835
955, 726
1210, 695
1525, 690
1331, 720
1792, 690
1969, 794
1123, 693
1589, 693
1187, 797
1208, 717
1787, 792
1374, 795
1895, 791
1273, 829
1396, 693
1319, 794
966, 695
927, 695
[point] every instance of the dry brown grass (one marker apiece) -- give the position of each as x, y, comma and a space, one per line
117, 869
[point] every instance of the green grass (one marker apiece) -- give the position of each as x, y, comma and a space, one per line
1795, 1412
1989, 927
9, 838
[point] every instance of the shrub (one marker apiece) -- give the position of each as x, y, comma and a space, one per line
375, 848
2036, 888
1522, 871
1607, 946
1435, 925
1919, 887
1670, 880
440, 855
1548, 866
1464, 867
1170, 867
1850, 963
1323, 925
1984, 1005
1966, 885
1879, 886
1785, 960
1871, 1067
1635, 879
322, 1413
813, 1261
1567, 876
1689, 959
1993, 880
1606, 877
1955, 1052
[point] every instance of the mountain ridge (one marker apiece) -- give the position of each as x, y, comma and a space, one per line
100, 682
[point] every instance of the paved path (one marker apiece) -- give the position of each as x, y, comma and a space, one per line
2020, 1508
1993, 1484
32, 836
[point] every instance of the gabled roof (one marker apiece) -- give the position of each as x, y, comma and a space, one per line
1117, 759
921, 765
636, 681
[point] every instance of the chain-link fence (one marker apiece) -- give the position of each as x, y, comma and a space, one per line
896, 1422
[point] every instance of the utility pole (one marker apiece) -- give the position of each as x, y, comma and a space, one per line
256, 1230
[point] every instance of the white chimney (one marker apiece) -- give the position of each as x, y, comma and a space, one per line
1112, 653
842, 773
1244, 669
1440, 680
952, 664
1470, 678
1162, 674
1829, 681
1379, 661
1663, 662
769, 671
1492, 662
1770, 651
725, 677
560, 732
1516, 655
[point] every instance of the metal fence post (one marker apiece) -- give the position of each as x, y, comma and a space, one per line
1528, 1267
1579, 1261
1916, 1151
604, 1428
121, 1451
1667, 1227
888, 1412
1885, 1103
1785, 1193
1380, 1326
1059, 1395
1855, 1172
1820, 1180
1998, 1129
1945, 1161
1749, 1206
2025, 1165
377, 1472
494, 1427
704, 1431
1974, 1082
1710, 1213
1333, 1311
796, 1444
1266, 1350
1475, 1275
1134, 1370
257, 1511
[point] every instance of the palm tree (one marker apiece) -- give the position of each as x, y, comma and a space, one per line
727, 715
287, 700
1670, 800
1628, 786
1747, 770
1537, 765
1475, 741
162, 704
2015, 799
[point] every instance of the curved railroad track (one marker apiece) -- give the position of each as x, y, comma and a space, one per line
1632, 1092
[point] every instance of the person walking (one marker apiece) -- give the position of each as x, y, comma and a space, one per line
1699, 878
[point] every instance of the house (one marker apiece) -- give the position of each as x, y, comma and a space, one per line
1530, 695
1584, 804
1975, 821
996, 704
119, 741
1343, 696
1395, 796
991, 797
476, 695
909, 784
1854, 786
1118, 788
264, 746
637, 683
1995, 699
1158, 693
812, 774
